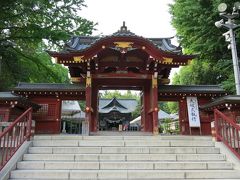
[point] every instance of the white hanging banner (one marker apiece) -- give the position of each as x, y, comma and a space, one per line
193, 112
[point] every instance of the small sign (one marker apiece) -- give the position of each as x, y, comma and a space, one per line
193, 112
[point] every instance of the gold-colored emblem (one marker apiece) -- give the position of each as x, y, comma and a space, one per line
154, 82
78, 59
75, 79
88, 81
167, 60
123, 44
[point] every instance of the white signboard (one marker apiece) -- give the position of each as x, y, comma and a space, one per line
193, 112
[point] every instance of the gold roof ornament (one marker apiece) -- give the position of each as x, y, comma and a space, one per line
167, 60
75, 79
123, 44
78, 59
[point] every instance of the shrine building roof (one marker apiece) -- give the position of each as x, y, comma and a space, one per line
48, 87
120, 105
12, 99
57, 90
223, 103
87, 46
81, 43
190, 89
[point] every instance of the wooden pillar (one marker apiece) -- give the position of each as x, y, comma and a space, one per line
147, 107
88, 110
143, 122
94, 100
154, 101
183, 117
58, 115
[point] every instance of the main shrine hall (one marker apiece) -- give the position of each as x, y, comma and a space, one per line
119, 61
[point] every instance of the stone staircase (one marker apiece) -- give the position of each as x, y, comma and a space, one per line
123, 157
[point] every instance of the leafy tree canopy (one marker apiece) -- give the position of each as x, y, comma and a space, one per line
119, 95
194, 22
28, 27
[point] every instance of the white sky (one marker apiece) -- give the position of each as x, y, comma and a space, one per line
149, 18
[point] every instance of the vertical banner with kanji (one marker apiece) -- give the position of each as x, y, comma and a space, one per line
193, 112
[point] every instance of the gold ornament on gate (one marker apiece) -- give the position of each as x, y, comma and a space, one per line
123, 44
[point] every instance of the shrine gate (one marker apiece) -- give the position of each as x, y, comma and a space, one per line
122, 60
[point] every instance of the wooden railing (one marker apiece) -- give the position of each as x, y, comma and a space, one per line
228, 132
14, 136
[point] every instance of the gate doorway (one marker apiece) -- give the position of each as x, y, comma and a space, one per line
72, 116
117, 108
168, 117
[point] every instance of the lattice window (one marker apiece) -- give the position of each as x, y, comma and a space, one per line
43, 109
51, 109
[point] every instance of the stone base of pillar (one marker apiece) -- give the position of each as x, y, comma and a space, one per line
85, 128
155, 131
64, 127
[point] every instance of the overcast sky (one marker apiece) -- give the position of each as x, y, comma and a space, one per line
148, 18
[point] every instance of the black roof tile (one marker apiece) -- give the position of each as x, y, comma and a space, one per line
80, 43
233, 99
190, 89
22, 101
48, 87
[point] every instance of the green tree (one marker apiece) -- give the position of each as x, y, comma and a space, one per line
169, 107
194, 22
173, 107
28, 27
164, 107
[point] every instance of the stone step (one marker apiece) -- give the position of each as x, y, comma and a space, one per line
125, 174
79, 137
121, 143
124, 150
117, 179
123, 165
124, 157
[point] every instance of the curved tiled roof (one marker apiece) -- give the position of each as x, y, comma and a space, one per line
190, 89
120, 105
21, 101
48, 87
231, 99
81, 43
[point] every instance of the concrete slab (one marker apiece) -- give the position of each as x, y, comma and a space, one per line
44, 174
76, 150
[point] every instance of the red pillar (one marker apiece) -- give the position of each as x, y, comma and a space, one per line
88, 109
147, 118
94, 123
183, 117
154, 100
